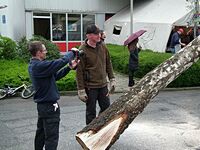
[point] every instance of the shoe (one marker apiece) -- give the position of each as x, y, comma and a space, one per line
129, 88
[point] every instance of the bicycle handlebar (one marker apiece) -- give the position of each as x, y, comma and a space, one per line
22, 78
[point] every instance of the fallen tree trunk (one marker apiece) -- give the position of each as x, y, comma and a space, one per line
104, 130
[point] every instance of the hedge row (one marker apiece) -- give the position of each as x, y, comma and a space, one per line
148, 61
10, 69
10, 49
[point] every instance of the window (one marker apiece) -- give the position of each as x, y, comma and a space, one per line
41, 23
41, 14
55, 27
74, 27
59, 27
87, 19
117, 30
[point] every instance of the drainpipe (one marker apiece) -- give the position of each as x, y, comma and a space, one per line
131, 15
196, 13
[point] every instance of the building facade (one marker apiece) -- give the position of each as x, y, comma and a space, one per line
62, 21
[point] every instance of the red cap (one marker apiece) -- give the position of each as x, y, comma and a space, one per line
181, 30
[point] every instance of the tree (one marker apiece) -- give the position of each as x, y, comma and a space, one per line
194, 6
104, 130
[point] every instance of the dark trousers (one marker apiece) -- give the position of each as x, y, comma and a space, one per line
131, 81
94, 95
47, 132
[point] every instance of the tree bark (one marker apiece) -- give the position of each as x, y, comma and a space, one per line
104, 130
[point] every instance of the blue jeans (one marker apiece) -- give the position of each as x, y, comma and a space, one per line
176, 48
172, 50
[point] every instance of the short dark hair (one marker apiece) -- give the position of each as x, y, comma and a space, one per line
34, 47
92, 28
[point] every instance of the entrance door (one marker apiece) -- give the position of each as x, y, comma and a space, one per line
42, 27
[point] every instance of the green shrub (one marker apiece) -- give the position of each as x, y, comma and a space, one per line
68, 83
53, 50
22, 49
189, 78
7, 48
22, 46
10, 69
149, 60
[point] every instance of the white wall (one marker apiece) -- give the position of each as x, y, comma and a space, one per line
29, 25
100, 18
4, 11
19, 12
109, 6
15, 19
155, 16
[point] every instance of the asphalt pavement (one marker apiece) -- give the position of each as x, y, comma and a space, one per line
171, 121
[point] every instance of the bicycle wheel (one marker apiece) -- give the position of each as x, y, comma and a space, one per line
2, 93
27, 92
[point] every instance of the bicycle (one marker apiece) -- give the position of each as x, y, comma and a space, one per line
27, 90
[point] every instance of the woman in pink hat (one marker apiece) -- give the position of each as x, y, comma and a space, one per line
132, 42
133, 60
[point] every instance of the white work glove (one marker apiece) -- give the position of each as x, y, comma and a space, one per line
75, 51
112, 85
73, 64
82, 95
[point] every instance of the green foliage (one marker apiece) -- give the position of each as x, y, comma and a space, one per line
148, 60
189, 78
53, 51
119, 56
7, 48
22, 49
68, 83
23, 53
10, 69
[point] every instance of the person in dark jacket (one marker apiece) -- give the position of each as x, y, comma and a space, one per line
133, 65
175, 43
44, 75
133, 60
103, 35
92, 72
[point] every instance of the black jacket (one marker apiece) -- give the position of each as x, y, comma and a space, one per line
44, 75
133, 59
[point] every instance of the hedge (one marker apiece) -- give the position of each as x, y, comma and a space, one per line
8, 48
10, 69
148, 60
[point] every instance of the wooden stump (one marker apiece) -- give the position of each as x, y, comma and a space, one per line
104, 130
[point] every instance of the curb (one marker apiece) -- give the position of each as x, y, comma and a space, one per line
181, 89
74, 93
68, 93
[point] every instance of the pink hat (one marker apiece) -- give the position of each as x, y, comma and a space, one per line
181, 30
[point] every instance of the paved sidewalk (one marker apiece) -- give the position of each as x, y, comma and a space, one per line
171, 121
122, 85
121, 82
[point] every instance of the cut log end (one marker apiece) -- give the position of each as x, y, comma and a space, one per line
100, 140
